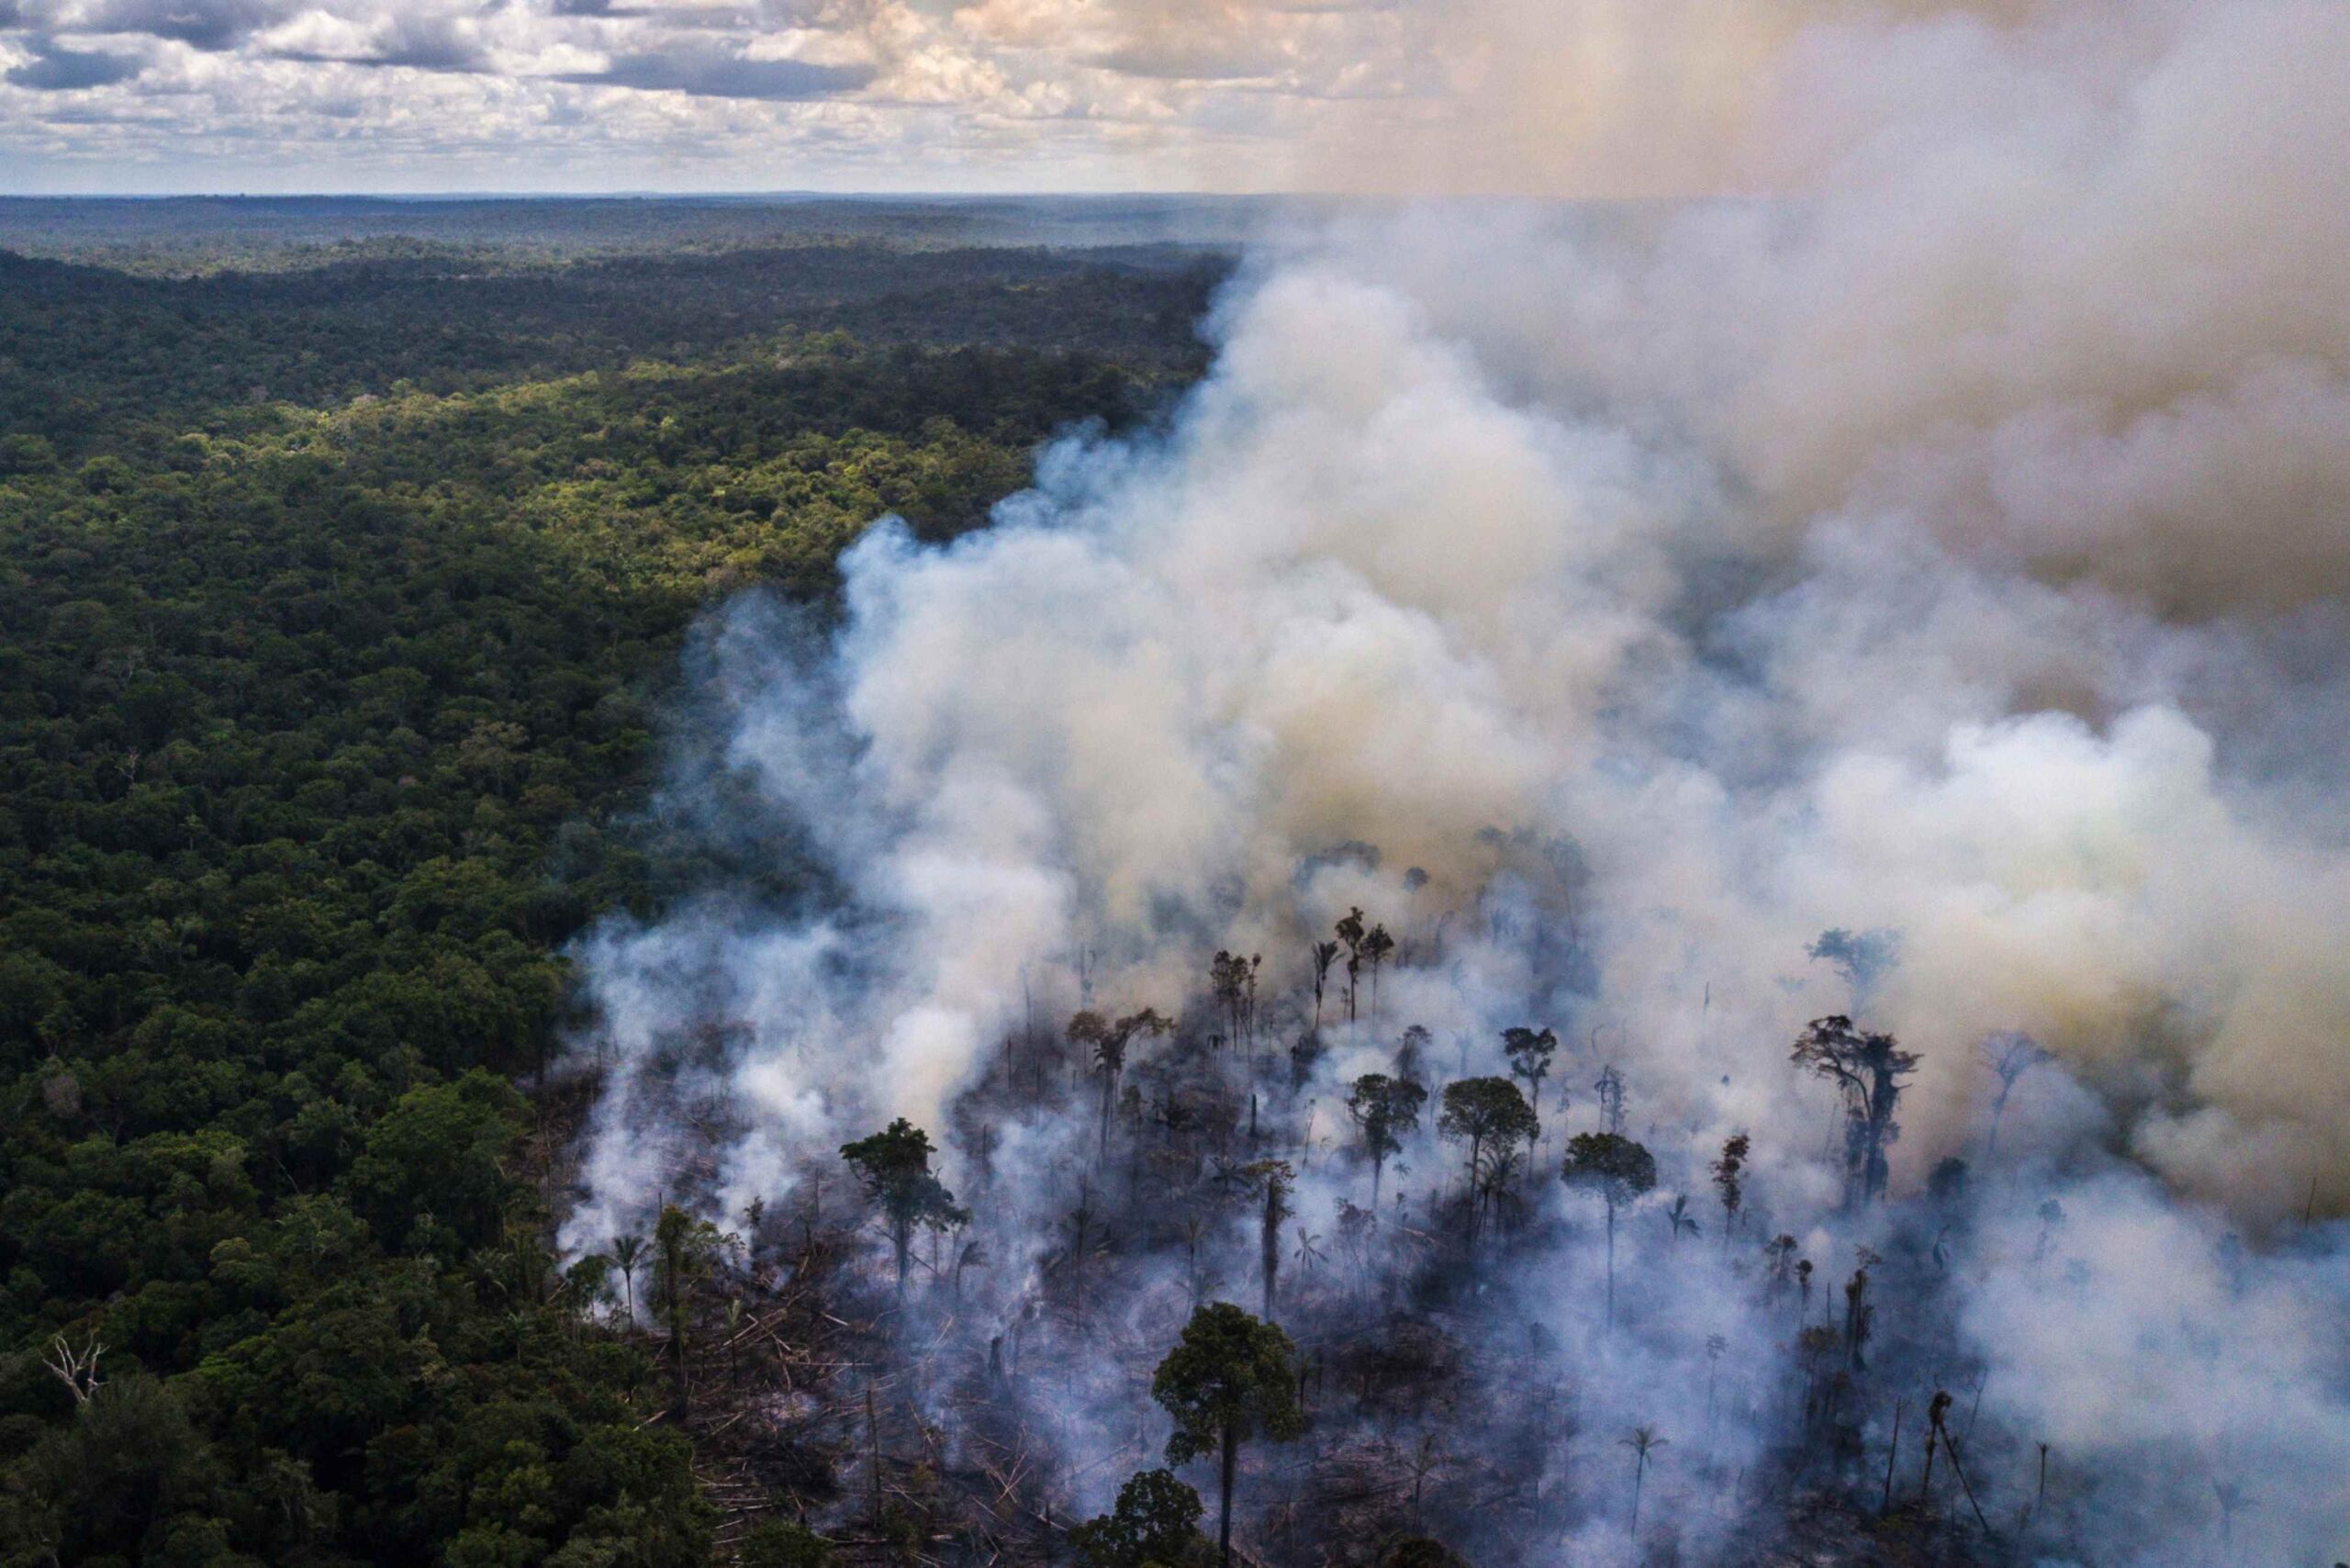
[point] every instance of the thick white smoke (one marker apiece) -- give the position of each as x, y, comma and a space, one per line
1947, 541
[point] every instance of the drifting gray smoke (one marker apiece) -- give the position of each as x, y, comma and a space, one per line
1946, 538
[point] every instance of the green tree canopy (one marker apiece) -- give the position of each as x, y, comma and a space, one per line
1609, 1165
1530, 1051
1491, 1116
430, 1173
1419, 1552
1385, 1110
784, 1544
1156, 1524
1230, 1379
1616, 1171
894, 1166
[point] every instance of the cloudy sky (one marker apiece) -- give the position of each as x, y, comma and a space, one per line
1552, 97
700, 95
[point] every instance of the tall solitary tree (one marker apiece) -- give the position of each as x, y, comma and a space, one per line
1615, 1169
1227, 982
2010, 1055
1350, 932
1385, 1109
1530, 1051
1867, 1070
1377, 948
894, 1166
1276, 1176
1325, 955
1860, 1315
1229, 1379
628, 1253
1491, 1116
1643, 1442
1730, 1172
683, 1247
1610, 1090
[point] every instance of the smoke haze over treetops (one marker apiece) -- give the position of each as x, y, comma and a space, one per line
1943, 531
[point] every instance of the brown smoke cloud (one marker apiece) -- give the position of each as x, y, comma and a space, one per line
2062, 281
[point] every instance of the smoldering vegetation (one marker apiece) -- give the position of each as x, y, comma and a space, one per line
1700, 845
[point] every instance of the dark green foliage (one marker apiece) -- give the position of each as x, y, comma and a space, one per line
1616, 1171
321, 730
1385, 1109
1530, 1051
89, 355
1610, 1165
125, 1473
894, 1166
1867, 1070
1419, 1552
430, 1176
1729, 1184
1229, 1379
1492, 1118
781, 1543
1230, 1373
1156, 1524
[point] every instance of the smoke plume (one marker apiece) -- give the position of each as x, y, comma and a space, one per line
1932, 520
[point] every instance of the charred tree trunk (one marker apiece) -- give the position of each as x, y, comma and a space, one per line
1109, 1094
1224, 1497
1611, 1274
1272, 1243
1476, 1150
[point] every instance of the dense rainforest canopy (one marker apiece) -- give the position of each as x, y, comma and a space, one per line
337, 600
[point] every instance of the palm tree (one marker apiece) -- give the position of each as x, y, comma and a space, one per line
1377, 948
1642, 1442
2010, 1055
628, 1252
1350, 932
1678, 1217
1325, 955
2232, 1500
1310, 1253
1110, 1039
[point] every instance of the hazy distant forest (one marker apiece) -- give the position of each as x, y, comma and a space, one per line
340, 573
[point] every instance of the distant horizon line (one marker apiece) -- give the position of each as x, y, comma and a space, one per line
690, 195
